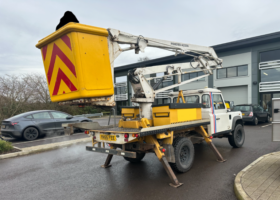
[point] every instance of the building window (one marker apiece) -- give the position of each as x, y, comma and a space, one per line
242, 70
121, 88
270, 55
232, 72
121, 79
222, 73
268, 75
193, 75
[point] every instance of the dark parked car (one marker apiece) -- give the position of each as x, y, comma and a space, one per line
252, 113
31, 125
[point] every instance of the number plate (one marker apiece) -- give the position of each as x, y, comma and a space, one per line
108, 137
3, 126
243, 114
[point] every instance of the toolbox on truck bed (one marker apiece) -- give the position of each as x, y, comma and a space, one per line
175, 113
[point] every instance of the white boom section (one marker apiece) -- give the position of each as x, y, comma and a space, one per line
205, 59
142, 42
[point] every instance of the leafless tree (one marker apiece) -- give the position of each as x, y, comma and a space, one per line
16, 92
40, 88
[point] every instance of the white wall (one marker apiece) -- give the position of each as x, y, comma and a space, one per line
231, 61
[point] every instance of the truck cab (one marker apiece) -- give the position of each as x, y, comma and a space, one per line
222, 121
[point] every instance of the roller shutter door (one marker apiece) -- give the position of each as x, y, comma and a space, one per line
238, 94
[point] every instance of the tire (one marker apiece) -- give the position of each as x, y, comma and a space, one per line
139, 157
80, 130
31, 133
184, 154
256, 121
267, 119
237, 138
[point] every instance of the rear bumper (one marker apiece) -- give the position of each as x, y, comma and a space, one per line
247, 119
11, 133
128, 154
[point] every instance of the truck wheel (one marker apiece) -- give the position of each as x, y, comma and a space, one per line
256, 121
139, 157
184, 154
237, 138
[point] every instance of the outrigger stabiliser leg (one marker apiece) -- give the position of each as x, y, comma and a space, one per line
174, 181
202, 131
109, 157
108, 161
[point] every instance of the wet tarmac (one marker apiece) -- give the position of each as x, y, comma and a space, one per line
73, 173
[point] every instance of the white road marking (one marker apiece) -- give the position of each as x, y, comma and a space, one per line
266, 125
46, 139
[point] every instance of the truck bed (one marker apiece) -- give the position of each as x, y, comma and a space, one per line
156, 129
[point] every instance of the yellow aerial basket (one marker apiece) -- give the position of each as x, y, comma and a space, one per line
77, 63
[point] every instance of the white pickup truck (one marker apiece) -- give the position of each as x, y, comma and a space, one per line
172, 143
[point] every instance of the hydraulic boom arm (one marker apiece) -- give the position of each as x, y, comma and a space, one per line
204, 59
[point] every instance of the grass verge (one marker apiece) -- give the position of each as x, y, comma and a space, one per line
5, 146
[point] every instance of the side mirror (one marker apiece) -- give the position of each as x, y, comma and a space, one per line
69, 117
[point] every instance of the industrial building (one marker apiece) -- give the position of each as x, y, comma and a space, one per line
250, 73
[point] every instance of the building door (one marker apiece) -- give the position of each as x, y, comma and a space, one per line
266, 102
237, 94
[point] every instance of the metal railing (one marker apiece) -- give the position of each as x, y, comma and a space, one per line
90, 115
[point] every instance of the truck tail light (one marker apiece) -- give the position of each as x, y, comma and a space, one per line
211, 137
251, 114
135, 135
163, 150
126, 135
86, 132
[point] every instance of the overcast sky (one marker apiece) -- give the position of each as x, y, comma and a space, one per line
202, 22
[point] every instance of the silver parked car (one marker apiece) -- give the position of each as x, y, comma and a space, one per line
31, 125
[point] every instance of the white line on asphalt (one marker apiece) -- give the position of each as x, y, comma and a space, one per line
46, 139
266, 125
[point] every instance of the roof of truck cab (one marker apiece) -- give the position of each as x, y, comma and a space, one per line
204, 90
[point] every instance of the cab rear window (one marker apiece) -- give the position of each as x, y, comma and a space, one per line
188, 99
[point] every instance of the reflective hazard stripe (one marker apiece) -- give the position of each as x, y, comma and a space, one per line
213, 113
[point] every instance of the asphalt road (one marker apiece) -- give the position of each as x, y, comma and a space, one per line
73, 173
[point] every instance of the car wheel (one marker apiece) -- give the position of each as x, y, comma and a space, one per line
256, 121
139, 157
268, 119
184, 154
238, 137
30, 133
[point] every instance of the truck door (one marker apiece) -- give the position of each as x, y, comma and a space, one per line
219, 115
